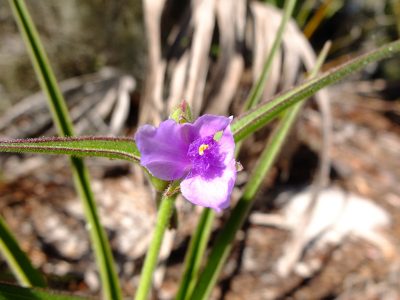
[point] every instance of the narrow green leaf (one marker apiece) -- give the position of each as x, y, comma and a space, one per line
195, 254
13, 292
225, 239
58, 108
258, 89
17, 260
263, 113
304, 11
42, 67
109, 147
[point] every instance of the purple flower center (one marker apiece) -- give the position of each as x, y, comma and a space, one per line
206, 158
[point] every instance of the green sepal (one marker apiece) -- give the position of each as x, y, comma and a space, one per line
158, 184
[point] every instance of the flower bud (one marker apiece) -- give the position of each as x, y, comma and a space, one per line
181, 113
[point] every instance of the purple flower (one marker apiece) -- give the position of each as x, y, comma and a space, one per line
194, 153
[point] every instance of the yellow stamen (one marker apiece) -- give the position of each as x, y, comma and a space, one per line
202, 148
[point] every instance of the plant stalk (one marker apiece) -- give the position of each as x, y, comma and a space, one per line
166, 208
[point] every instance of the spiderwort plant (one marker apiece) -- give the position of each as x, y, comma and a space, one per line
199, 154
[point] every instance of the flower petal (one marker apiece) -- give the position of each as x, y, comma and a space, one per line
208, 125
214, 193
227, 145
163, 150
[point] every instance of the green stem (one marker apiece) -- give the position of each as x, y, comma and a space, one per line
102, 250
19, 263
163, 218
195, 254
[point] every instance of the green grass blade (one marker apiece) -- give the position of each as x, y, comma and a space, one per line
263, 113
304, 12
195, 254
42, 67
257, 90
8, 292
226, 237
17, 260
100, 244
108, 147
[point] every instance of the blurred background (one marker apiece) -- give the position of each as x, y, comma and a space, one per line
108, 56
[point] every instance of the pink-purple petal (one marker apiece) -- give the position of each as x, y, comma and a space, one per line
214, 193
163, 150
227, 145
208, 125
